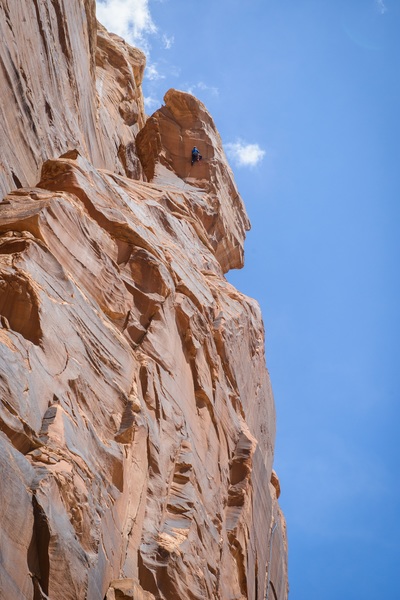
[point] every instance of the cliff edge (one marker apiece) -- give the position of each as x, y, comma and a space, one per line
137, 421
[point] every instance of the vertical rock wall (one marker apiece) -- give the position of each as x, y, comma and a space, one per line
64, 86
137, 421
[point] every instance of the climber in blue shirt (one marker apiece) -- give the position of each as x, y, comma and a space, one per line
195, 155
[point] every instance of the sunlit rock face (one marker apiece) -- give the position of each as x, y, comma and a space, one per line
137, 421
65, 84
164, 147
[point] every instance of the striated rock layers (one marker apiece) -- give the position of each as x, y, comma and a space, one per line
65, 84
136, 418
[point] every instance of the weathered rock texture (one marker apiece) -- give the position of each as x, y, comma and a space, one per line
136, 418
65, 85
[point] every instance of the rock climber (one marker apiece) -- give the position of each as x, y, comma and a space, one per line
195, 155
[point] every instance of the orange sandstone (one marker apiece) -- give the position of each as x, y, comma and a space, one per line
137, 421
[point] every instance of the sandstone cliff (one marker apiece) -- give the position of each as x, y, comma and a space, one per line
137, 421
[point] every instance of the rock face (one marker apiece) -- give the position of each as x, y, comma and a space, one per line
166, 142
65, 85
137, 421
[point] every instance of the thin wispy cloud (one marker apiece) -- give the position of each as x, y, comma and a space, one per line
381, 6
153, 73
244, 155
201, 86
209, 88
130, 19
151, 103
168, 41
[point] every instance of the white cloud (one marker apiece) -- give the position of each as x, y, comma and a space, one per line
203, 87
152, 72
381, 6
209, 88
151, 103
168, 41
131, 19
245, 155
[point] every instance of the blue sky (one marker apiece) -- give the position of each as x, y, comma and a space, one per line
306, 96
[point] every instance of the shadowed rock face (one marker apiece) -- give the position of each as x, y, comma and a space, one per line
137, 421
